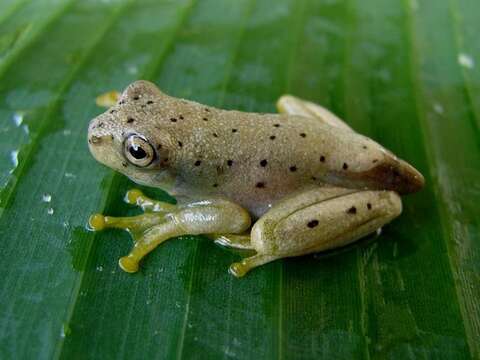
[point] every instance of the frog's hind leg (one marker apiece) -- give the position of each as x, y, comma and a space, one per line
163, 221
315, 220
291, 105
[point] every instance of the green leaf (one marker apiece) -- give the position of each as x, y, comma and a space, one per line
406, 73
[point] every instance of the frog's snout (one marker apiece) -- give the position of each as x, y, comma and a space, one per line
94, 140
100, 139
96, 132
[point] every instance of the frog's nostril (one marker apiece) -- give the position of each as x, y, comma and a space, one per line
95, 140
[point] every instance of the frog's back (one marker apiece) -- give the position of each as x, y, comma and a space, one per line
253, 159
257, 159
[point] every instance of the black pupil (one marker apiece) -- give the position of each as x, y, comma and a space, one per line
137, 152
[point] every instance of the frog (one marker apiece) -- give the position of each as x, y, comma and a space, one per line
284, 184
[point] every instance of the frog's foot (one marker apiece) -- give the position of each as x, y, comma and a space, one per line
318, 219
132, 224
239, 269
291, 105
164, 221
233, 240
146, 242
136, 197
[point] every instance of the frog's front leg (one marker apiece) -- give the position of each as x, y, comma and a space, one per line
318, 219
163, 221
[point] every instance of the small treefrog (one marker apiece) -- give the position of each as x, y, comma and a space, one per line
306, 178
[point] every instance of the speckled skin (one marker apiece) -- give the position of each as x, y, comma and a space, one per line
253, 159
314, 183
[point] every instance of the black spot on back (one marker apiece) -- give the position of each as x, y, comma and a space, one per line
345, 166
197, 163
272, 137
234, 130
173, 119
322, 158
229, 162
352, 210
180, 144
263, 163
369, 206
149, 102
303, 135
293, 168
312, 223
130, 120
260, 185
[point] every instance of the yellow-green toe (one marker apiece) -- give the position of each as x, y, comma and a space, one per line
238, 270
97, 222
132, 196
128, 264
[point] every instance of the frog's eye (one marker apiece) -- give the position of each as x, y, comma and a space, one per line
139, 151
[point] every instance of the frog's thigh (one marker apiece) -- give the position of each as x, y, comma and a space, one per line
193, 219
291, 105
317, 220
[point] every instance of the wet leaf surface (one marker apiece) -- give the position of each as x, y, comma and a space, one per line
405, 73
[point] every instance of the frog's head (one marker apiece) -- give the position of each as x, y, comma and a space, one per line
126, 139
